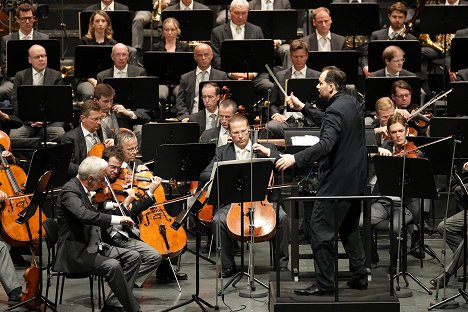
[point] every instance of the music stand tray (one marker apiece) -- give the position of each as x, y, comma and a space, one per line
168, 67
136, 92
456, 100
346, 60
91, 60
17, 54
121, 24
291, 132
377, 87
155, 134
412, 49
276, 24
195, 25
183, 162
439, 154
55, 158
355, 18
458, 126
246, 56
458, 48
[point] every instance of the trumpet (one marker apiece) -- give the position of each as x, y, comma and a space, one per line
157, 10
67, 70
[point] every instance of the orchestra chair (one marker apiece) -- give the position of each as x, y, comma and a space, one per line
51, 237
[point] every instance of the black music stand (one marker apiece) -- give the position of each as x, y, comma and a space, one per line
307, 4
136, 92
458, 48
168, 67
121, 24
91, 60
456, 100
443, 19
195, 25
276, 24
185, 162
355, 19
140, 5
155, 134
17, 54
240, 91
304, 89
52, 103
439, 154
457, 126
235, 186
345, 60
377, 87
412, 49
246, 56
418, 180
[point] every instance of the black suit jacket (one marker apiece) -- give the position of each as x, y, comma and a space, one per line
97, 6
196, 6
223, 32
210, 136
337, 42
277, 5
200, 118
79, 229
76, 137
37, 35
277, 97
24, 78
341, 151
184, 100
403, 73
180, 46
132, 71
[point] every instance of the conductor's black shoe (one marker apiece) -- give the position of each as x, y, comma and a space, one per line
440, 279
109, 308
228, 272
14, 297
313, 291
357, 283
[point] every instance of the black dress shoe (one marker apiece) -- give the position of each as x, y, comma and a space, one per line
358, 283
109, 308
14, 297
228, 272
167, 278
416, 250
313, 291
440, 279
206, 248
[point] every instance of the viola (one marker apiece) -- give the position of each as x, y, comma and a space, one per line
12, 179
410, 149
264, 221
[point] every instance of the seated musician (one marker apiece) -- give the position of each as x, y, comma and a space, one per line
121, 69
280, 117
8, 122
207, 118
323, 39
394, 58
80, 247
99, 33
107, 5
241, 147
127, 141
380, 210
188, 93
170, 38
25, 17
129, 237
38, 75
220, 135
239, 29
86, 135
116, 115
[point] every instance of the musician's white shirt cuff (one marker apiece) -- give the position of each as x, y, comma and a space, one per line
115, 220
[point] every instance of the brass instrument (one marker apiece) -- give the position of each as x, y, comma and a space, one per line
438, 43
193, 44
359, 41
67, 70
157, 10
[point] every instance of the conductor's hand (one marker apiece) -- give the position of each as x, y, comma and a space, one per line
124, 220
293, 102
285, 161
155, 182
260, 149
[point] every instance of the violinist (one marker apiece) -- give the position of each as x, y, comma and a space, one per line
127, 141
380, 210
126, 237
85, 136
241, 148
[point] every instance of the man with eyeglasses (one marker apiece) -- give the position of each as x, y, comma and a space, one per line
37, 75
394, 58
242, 148
207, 118
25, 18
220, 135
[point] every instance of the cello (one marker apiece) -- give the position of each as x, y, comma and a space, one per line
12, 179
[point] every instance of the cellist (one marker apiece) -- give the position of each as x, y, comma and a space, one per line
129, 237
241, 147
128, 142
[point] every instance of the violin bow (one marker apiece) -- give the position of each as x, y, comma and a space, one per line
430, 102
121, 205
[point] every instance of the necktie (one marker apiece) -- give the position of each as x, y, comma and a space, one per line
297, 74
120, 74
214, 120
269, 5
238, 30
94, 138
393, 35
354, 1
38, 79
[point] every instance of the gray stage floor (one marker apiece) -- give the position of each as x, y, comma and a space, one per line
155, 297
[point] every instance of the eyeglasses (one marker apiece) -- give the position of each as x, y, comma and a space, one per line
240, 133
402, 96
205, 97
36, 57
26, 18
402, 60
133, 149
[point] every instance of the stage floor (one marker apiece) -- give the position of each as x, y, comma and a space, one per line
155, 296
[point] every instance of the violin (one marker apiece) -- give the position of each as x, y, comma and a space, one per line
410, 149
